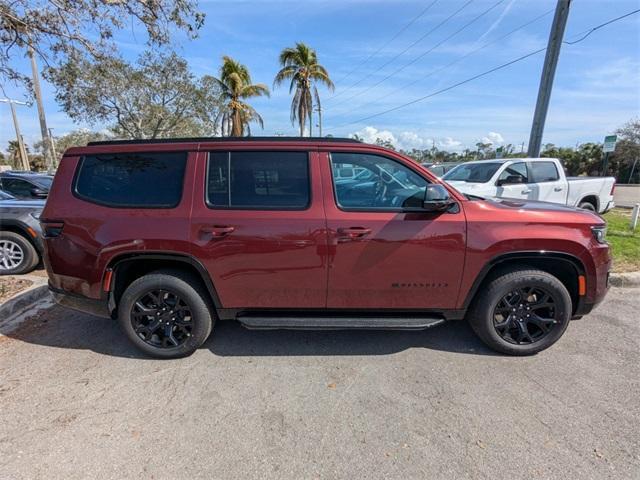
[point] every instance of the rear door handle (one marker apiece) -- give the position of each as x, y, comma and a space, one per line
354, 232
526, 191
217, 231
557, 189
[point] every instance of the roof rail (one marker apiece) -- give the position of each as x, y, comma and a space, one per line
225, 139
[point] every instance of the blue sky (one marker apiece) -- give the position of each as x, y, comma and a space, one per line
597, 85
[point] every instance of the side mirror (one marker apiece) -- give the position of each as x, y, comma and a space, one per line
39, 192
510, 180
436, 199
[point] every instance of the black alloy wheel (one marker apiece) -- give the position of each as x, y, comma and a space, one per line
525, 315
162, 319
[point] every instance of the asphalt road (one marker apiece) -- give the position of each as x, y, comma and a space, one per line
76, 401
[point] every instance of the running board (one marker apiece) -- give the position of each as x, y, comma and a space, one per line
258, 322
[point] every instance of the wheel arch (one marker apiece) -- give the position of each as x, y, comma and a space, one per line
126, 268
564, 266
592, 199
21, 229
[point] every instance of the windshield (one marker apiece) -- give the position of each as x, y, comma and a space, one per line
5, 196
44, 182
473, 172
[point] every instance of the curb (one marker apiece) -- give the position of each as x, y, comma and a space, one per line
22, 302
625, 280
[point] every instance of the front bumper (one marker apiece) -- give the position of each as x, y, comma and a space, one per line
98, 308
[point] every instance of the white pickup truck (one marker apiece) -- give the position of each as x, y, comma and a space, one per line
533, 179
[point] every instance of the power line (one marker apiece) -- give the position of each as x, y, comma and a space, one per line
458, 60
475, 77
397, 34
424, 54
388, 62
591, 30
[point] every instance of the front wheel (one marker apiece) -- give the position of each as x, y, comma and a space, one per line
166, 314
521, 312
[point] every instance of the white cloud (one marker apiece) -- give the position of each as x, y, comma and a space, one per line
408, 140
371, 134
493, 138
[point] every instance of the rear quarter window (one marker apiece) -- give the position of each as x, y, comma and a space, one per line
132, 180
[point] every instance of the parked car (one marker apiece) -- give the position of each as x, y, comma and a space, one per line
26, 185
532, 179
439, 169
170, 236
20, 235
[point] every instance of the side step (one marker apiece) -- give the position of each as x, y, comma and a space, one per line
260, 322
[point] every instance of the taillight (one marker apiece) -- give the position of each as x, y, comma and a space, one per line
613, 187
51, 229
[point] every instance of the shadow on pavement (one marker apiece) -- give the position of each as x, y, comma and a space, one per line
62, 328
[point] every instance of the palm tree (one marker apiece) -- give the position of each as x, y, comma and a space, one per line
300, 65
235, 86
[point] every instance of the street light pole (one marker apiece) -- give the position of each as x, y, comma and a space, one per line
548, 73
22, 151
46, 140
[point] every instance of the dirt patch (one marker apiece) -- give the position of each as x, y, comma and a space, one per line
9, 286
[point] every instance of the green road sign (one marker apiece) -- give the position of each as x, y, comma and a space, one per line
609, 143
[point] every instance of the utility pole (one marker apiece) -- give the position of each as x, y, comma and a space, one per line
548, 73
22, 151
319, 110
46, 140
54, 152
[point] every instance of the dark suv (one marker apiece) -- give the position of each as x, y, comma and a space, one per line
20, 236
170, 236
26, 185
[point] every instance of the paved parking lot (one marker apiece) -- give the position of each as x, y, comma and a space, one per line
76, 401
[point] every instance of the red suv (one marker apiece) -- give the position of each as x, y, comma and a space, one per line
169, 236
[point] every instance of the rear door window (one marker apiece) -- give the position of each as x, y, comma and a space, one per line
544, 172
134, 180
262, 180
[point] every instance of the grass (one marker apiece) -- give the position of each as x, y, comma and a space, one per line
624, 242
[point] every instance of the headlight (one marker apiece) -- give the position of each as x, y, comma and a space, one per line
599, 233
36, 215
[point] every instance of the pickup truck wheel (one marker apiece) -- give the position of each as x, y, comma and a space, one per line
587, 206
521, 312
165, 314
17, 254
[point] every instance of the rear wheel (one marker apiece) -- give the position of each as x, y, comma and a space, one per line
521, 312
166, 314
587, 206
17, 254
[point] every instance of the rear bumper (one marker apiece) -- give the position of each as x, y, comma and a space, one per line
608, 207
98, 308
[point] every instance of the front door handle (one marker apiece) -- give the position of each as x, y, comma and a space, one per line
557, 189
526, 192
353, 233
218, 231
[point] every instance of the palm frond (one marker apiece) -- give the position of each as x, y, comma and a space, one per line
284, 74
255, 90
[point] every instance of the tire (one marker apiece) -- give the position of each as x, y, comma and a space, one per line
511, 290
17, 254
192, 310
587, 206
